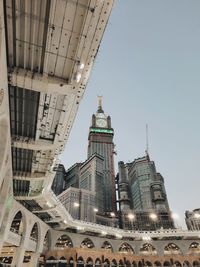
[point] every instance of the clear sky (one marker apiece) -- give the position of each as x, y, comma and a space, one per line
147, 70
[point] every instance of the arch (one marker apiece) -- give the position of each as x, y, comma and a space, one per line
47, 240
63, 259
51, 258
87, 243
51, 261
106, 245
157, 264
148, 249
24, 219
134, 264
106, 263
89, 262
80, 262
71, 262
171, 248
121, 263
194, 248
148, 263
114, 263
128, 264
62, 262
64, 241
17, 224
140, 264
97, 262
126, 248
177, 264
186, 264
166, 264
34, 235
196, 263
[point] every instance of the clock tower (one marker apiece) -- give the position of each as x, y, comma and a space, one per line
101, 142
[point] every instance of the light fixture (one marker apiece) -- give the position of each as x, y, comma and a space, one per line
104, 233
131, 216
96, 210
82, 65
175, 216
146, 238
76, 204
118, 236
112, 214
153, 216
78, 77
80, 228
49, 204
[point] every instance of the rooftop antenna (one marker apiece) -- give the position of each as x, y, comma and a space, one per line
147, 141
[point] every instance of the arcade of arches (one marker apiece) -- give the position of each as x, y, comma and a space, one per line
87, 255
75, 249
84, 257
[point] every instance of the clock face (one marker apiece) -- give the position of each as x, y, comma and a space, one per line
101, 123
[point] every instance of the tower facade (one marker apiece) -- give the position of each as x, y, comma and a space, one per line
101, 142
192, 219
142, 196
92, 179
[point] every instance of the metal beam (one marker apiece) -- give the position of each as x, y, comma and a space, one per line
36, 145
30, 177
29, 197
44, 210
40, 83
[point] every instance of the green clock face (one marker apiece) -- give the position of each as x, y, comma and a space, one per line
101, 123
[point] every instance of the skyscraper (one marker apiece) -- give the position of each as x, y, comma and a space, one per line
192, 219
92, 179
101, 142
58, 185
142, 192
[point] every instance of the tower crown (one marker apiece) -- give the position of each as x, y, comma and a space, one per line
100, 121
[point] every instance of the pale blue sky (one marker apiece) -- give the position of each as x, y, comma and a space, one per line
147, 70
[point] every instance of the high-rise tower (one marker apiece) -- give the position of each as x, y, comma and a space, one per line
101, 142
142, 193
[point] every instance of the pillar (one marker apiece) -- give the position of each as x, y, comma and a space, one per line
18, 257
1, 245
34, 259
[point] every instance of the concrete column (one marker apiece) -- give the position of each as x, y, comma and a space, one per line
1, 245
160, 250
34, 259
18, 257
5, 203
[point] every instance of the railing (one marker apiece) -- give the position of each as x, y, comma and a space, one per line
66, 218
